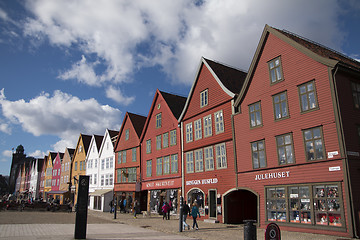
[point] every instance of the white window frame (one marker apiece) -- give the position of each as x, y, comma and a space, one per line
204, 98
199, 160
198, 129
221, 161
219, 122
189, 132
209, 158
190, 162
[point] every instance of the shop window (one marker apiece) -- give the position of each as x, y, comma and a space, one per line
174, 163
355, 87
197, 196
280, 106
258, 154
275, 70
221, 156
166, 164
199, 163
158, 142
299, 201
313, 144
173, 137
276, 204
327, 205
189, 162
285, 149
209, 158
165, 140
198, 130
189, 132
308, 99
207, 126
148, 168
255, 115
159, 166
219, 122
148, 146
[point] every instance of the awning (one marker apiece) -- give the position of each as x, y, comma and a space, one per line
100, 192
56, 192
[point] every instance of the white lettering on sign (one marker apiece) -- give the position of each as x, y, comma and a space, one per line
332, 154
160, 184
332, 169
272, 175
203, 181
353, 153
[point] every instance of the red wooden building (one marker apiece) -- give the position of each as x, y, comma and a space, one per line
209, 170
161, 152
297, 137
127, 160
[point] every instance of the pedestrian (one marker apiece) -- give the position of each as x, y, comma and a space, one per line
186, 212
164, 210
135, 207
168, 211
194, 213
124, 203
111, 206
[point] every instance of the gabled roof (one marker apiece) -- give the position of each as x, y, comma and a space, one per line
86, 141
52, 155
229, 79
61, 155
40, 164
313, 50
71, 152
138, 123
175, 103
98, 141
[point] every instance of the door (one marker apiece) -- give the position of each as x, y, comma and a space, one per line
212, 203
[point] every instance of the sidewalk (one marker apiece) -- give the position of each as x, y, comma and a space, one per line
208, 231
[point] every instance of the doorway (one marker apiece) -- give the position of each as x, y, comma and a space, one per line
240, 205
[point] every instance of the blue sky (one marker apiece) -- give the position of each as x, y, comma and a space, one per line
70, 67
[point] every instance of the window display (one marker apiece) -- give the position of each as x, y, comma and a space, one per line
305, 204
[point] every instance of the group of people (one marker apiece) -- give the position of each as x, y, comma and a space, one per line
194, 212
122, 205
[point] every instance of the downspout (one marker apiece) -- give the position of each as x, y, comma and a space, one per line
182, 161
345, 160
234, 144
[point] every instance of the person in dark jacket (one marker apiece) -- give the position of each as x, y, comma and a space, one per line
194, 213
186, 212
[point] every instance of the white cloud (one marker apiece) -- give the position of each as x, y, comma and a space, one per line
3, 15
7, 153
61, 115
38, 154
128, 35
5, 128
117, 95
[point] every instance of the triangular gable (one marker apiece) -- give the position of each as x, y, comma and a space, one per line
223, 77
170, 99
281, 35
81, 138
97, 141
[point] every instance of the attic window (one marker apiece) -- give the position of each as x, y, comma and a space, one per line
80, 149
275, 70
127, 134
204, 97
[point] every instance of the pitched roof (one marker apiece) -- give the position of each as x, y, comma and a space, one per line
176, 103
113, 133
61, 155
86, 141
232, 78
138, 122
71, 151
53, 155
321, 50
98, 140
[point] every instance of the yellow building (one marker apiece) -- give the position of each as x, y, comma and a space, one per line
78, 166
48, 173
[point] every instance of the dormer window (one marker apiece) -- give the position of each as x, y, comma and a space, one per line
275, 70
204, 98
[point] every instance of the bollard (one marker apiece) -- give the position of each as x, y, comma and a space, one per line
249, 230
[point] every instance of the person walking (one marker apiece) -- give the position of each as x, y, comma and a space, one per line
111, 206
165, 210
135, 207
186, 212
194, 213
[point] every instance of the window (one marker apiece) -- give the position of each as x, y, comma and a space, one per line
111, 179
102, 164
107, 163
158, 142
204, 98
255, 114
280, 106
275, 70
119, 157
207, 126
102, 180
199, 163
166, 164
148, 168
165, 140
158, 120
307, 96
159, 166
355, 87
124, 175
174, 163
95, 178
111, 159
132, 174
81, 165
133, 155
96, 161
219, 122
189, 162
313, 144
106, 179
189, 132
285, 149
221, 155
118, 175
84, 167
258, 154
76, 166
311, 204
148, 146
173, 137
124, 156
198, 132
209, 158
126, 134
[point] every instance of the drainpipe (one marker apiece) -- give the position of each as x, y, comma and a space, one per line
345, 160
182, 161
